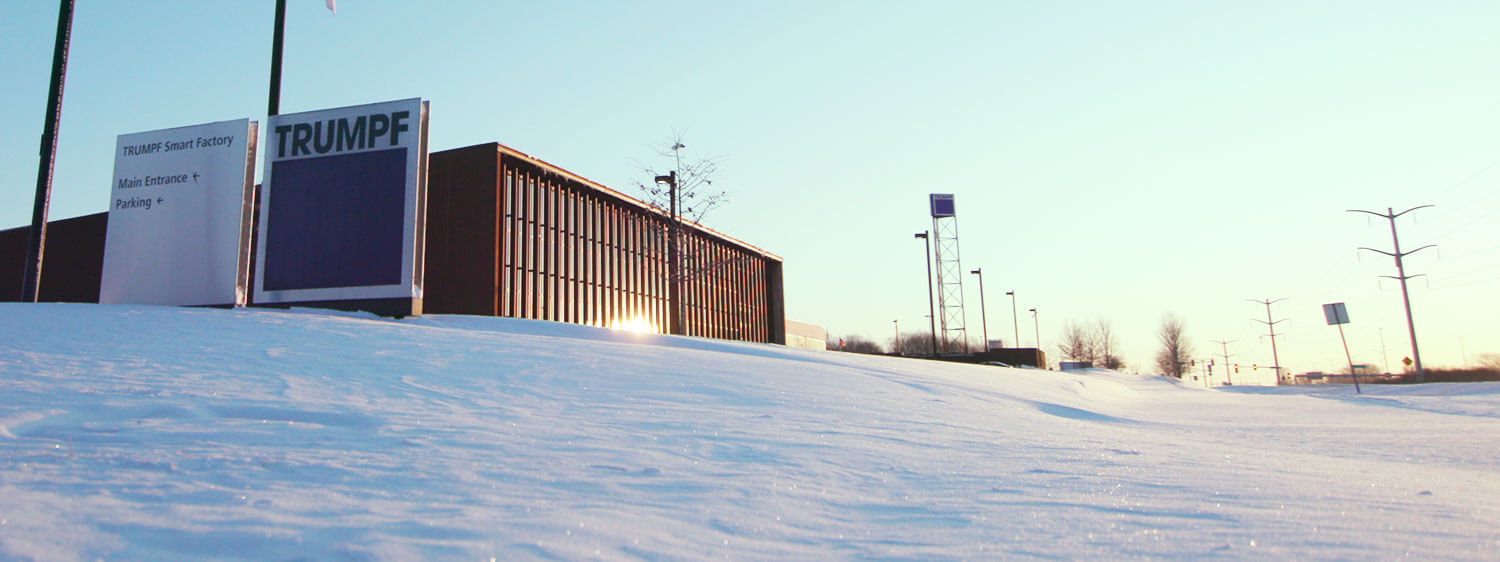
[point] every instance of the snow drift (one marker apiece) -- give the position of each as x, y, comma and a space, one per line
151, 432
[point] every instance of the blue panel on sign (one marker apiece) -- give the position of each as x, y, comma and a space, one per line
336, 221
942, 207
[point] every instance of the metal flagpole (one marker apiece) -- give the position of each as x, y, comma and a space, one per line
31, 284
274, 106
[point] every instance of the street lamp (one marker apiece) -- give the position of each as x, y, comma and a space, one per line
898, 336
1016, 324
674, 316
983, 322
931, 314
1038, 327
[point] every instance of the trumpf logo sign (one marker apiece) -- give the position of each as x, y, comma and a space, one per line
343, 208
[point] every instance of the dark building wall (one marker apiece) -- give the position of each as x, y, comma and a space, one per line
510, 235
72, 262
461, 268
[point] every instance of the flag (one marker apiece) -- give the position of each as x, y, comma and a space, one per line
331, 8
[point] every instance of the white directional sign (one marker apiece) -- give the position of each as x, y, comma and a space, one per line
179, 216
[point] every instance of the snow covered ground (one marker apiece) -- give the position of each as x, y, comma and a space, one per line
149, 433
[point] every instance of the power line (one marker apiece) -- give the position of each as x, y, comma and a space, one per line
1469, 179
1227, 376
1471, 222
1270, 325
1401, 276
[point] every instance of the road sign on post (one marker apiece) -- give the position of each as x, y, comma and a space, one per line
1337, 315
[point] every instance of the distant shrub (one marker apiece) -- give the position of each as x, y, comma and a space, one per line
1462, 375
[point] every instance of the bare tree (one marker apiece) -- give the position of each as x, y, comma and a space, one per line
914, 343
696, 194
1175, 349
1489, 361
1077, 344
684, 194
855, 344
1095, 344
1106, 347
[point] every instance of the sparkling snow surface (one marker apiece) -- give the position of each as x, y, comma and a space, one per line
149, 432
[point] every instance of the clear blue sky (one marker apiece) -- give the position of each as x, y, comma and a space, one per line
1115, 160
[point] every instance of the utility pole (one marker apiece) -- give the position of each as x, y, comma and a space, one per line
31, 283
1227, 375
1401, 276
1271, 325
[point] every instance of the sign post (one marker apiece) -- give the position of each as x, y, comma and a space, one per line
343, 209
1337, 315
179, 216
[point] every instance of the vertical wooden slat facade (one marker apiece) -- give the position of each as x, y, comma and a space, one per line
510, 235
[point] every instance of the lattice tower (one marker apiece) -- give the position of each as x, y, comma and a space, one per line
950, 280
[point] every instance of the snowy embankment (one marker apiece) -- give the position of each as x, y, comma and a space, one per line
147, 433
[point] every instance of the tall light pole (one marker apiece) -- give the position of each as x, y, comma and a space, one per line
1401, 276
931, 314
983, 322
674, 275
898, 336
1015, 324
1037, 325
1271, 325
31, 283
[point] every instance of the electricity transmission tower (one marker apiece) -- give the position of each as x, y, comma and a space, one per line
949, 273
1228, 374
1401, 276
1271, 325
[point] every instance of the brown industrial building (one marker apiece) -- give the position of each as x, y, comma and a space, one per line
511, 235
